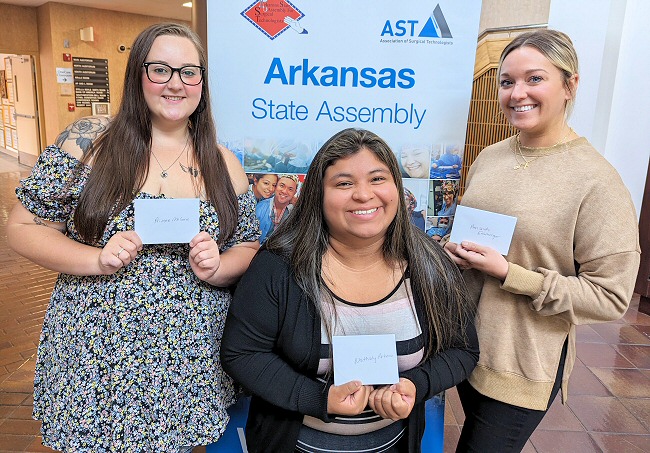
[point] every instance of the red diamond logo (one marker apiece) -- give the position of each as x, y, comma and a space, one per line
272, 17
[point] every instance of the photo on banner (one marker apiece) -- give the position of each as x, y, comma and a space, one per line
414, 160
443, 197
416, 193
438, 227
276, 195
302, 71
447, 161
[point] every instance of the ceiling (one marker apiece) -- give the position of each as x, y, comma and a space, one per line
171, 9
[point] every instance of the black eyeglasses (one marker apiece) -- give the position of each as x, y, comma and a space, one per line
163, 73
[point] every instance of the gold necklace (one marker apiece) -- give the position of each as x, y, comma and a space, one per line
163, 173
526, 162
517, 152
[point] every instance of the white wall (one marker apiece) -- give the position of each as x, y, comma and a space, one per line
612, 108
508, 13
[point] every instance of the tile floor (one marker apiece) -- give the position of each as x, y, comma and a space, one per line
608, 410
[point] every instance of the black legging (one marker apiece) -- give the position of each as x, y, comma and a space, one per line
494, 426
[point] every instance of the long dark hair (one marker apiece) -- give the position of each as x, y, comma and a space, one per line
120, 156
303, 239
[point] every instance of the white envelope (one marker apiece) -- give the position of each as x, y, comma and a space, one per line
484, 228
166, 220
371, 359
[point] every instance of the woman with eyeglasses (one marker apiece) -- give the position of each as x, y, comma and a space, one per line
128, 358
570, 262
448, 207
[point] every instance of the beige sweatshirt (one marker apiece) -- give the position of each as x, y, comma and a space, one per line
573, 260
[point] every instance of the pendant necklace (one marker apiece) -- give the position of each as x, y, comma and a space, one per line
526, 162
164, 173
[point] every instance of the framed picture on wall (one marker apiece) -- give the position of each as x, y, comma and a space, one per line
3, 84
101, 108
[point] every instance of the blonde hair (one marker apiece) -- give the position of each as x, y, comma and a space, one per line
557, 47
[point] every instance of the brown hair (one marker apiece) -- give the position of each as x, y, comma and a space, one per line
121, 155
435, 280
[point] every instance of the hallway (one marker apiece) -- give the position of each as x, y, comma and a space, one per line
608, 409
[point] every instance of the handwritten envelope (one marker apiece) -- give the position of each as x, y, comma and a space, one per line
371, 359
484, 228
166, 220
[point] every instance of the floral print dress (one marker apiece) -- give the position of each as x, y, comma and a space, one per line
129, 362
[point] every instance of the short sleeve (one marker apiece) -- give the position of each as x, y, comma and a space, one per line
248, 227
52, 190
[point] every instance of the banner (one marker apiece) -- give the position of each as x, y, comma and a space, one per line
287, 75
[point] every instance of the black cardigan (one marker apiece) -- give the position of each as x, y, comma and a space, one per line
271, 344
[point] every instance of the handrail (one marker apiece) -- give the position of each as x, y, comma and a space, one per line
488, 31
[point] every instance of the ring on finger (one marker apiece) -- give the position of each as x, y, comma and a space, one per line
120, 251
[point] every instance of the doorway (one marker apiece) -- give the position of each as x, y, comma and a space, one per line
643, 278
20, 119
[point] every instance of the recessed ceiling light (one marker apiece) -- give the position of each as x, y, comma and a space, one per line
187, 4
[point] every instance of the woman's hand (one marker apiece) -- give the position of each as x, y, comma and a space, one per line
350, 398
468, 255
452, 250
205, 258
395, 402
119, 251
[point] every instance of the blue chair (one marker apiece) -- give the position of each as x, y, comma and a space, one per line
233, 440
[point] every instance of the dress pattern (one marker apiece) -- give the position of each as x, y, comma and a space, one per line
129, 362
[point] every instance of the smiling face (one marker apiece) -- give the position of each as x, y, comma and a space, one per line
448, 196
415, 162
533, 96
173, 101
360, 198
284, 191
264, 186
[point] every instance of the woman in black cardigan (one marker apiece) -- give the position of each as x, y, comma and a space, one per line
347, 261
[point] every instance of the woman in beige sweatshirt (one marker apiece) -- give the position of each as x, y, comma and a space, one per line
570, 261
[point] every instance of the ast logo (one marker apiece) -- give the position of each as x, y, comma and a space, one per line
434, 27
273, 17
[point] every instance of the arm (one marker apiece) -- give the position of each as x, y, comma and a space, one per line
45, 243
79, 136
254, 350
225, 268
605, 259
40, 235
235, 261
600, 292
251, 348
220, 269
605, 256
